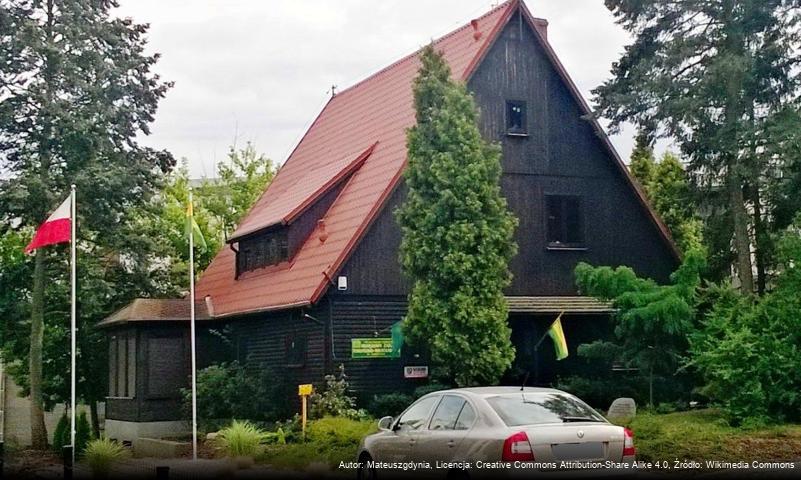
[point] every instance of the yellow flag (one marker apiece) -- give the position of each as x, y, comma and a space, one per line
558, 336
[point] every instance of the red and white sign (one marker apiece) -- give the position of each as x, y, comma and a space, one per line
56, 229
415, 372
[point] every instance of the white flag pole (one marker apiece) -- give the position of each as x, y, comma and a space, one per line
192, 322
73, 317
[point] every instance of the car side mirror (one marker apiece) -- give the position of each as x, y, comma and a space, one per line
385, 423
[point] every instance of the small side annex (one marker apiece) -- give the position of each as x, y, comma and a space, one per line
149, 364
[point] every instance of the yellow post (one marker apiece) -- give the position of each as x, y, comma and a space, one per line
304, 391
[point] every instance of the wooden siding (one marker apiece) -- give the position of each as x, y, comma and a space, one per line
561, 155
261, 343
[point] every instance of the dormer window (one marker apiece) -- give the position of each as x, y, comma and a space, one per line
516, 118
262, 250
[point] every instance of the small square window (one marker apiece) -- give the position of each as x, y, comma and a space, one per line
516, 117
565, 227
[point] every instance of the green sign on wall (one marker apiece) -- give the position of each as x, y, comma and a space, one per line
380, 347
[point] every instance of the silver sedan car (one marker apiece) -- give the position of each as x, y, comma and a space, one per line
468, 431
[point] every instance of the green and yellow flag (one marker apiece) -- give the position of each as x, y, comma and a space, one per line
192, 227
558, 336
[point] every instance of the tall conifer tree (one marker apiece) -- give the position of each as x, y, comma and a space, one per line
76, 89
457, 232
722, 79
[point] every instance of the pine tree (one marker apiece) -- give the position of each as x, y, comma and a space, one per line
76, 90
457, 233
722, 80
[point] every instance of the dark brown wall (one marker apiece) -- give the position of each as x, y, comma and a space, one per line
561, 155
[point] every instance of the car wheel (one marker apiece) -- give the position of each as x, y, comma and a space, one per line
365, 472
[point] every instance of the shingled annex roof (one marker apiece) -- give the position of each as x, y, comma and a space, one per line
156, 310
358, 138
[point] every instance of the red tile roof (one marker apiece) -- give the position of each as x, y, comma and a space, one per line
375, 112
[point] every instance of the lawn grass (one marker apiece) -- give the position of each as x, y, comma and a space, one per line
706, 435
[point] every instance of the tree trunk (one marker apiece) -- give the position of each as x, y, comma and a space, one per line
95, 419
760, 241
38, 429
742, 240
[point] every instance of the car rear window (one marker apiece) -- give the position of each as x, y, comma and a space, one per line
536, 408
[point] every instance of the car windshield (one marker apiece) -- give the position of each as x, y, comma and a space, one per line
535, 408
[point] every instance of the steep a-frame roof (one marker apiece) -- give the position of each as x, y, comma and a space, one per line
359, 138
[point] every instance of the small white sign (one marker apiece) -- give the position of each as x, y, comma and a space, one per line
415, 372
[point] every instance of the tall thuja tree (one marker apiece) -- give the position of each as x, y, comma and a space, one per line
457, 232
76, 90
721, 78
642, 162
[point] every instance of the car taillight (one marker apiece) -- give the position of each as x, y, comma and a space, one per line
628, 443
517, 448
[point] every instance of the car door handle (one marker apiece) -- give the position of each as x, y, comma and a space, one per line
412, 441
451, 443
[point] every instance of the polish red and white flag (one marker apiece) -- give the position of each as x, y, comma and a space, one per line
56, 229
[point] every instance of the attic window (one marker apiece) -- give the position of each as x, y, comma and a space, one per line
565, 227
516, 118
262, 250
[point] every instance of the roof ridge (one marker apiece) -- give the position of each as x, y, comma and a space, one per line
414, 53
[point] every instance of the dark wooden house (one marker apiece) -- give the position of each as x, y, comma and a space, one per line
314, 265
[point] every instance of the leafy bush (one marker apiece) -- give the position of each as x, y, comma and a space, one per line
391, 404
748, 350
102, 453
340, 431
335, 400
227, 391
241, 439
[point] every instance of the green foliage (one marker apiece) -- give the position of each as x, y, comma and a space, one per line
652, 321
340, 431
83, 433
241, 439
457, 232
329, 439
335, 399
78, 93
239, 183
61, 435
668, 188
102, 454
391, 404
227, 391
748, 350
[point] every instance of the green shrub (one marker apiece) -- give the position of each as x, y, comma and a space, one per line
227, 391
241, 439
336, 432
61, 435
102, 453
391, 404
334, 399
83, 433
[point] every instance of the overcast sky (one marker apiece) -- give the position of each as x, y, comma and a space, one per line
261, 70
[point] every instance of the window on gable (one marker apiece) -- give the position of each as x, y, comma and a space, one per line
262, 250
516, 117
565, 227
295, 350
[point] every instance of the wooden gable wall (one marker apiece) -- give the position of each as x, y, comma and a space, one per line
561, 155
